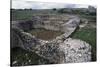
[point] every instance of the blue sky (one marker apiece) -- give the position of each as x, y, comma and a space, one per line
21, 4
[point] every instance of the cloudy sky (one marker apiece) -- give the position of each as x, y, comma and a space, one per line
21, 4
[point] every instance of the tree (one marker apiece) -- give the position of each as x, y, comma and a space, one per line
54, 9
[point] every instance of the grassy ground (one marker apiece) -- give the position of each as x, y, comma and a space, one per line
21, 14
26, 14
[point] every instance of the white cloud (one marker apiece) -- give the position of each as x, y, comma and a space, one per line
20, 4
35, 5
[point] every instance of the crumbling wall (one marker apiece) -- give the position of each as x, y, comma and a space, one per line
59, 50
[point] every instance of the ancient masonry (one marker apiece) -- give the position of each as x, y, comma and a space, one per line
62, 49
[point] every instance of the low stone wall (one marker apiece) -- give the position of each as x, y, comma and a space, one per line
59, 50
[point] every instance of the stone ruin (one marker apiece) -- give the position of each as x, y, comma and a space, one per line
62, 49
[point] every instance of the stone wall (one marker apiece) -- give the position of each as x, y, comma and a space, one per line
59, 50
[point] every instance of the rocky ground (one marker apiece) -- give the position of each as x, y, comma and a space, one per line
62, 48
